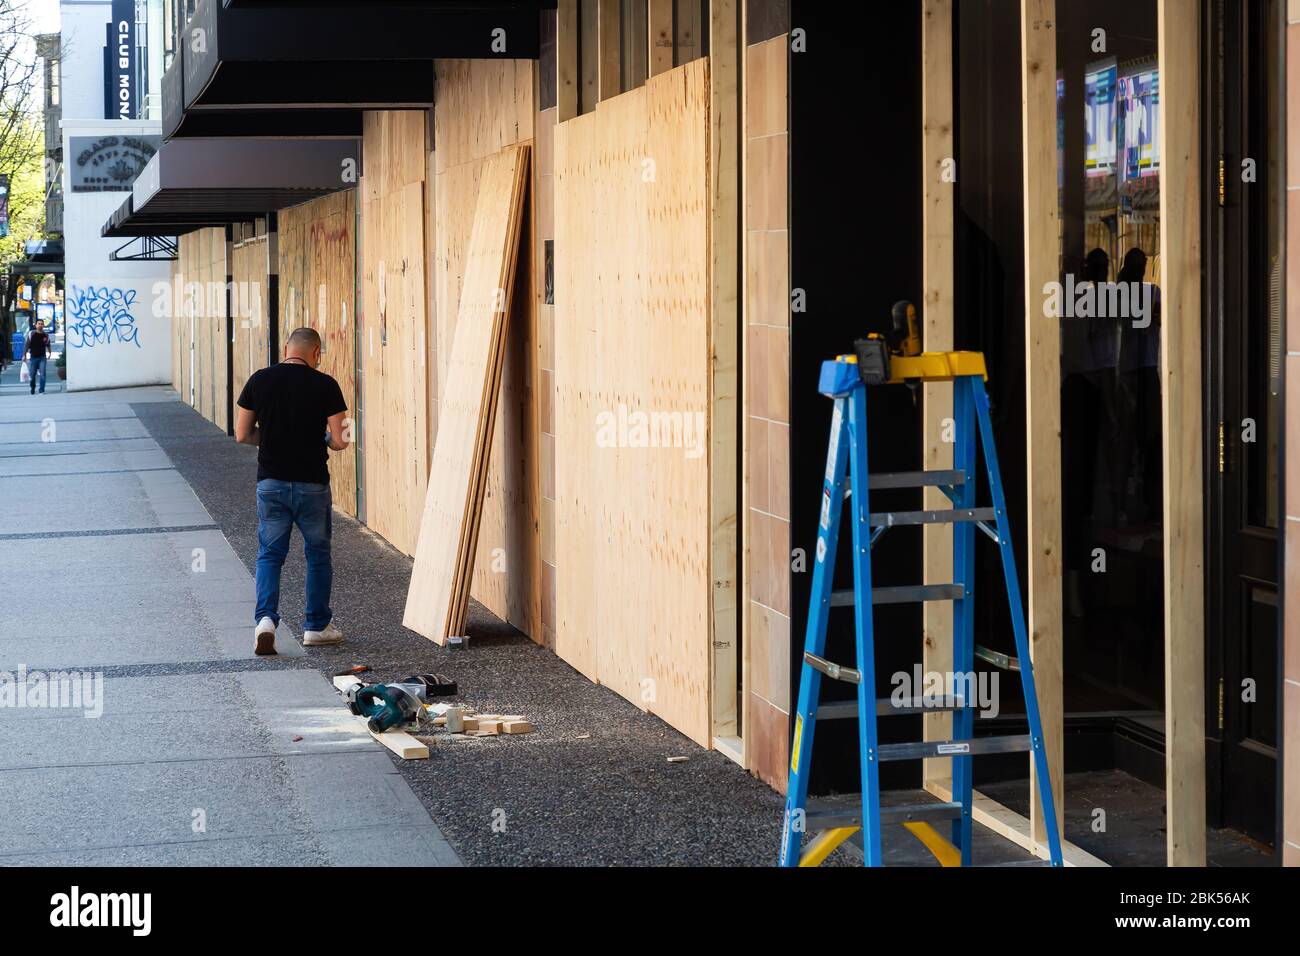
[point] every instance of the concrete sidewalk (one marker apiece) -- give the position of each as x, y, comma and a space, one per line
112, 566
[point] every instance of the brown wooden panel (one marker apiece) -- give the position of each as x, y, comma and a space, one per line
317, 264
633, 279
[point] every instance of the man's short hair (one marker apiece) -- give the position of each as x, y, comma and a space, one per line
303, 339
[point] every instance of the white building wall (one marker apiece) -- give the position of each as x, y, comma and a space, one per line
81, 49
117, 315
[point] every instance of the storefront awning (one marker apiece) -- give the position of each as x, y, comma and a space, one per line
290, 57
194, 183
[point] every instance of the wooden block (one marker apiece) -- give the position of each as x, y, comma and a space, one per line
516, 727
470, 724
489, 726
401, 743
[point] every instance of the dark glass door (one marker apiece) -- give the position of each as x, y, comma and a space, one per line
1244, 350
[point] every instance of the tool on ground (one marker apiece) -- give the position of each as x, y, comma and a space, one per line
844, 380
428, 686
384, 706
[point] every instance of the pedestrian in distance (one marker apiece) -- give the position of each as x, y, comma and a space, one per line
36, 351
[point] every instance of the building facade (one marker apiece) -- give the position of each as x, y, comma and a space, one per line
700, 201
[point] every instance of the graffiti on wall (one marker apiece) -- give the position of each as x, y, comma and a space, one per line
100, 315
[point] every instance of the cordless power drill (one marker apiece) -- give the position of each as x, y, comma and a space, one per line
904, 339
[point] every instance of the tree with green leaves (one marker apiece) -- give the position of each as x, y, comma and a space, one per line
21, 128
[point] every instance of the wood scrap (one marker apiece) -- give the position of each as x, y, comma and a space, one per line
516, 727
438, 598
398, 741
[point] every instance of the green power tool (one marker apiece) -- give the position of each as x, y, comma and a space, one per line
383, 705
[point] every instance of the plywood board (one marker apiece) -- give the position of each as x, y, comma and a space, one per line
485, 107
632, 339
174, 310
317, 267
221, 330
393, 325
436, 602
206, 278
248, 300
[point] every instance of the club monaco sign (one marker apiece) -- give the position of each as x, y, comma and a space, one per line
121, 93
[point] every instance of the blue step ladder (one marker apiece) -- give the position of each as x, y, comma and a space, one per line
846, 462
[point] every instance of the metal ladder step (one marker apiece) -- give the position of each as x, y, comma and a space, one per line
892, 519
848, 709
921, 749
849, 675
1003, 661
825, 817
914, 479
903, 595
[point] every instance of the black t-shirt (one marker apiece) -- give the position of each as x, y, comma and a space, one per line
38, 343
292, 402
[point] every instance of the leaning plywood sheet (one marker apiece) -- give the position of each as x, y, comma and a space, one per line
483, 107
632, 396
439, 592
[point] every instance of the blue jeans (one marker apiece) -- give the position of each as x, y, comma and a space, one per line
35, 365
280, 506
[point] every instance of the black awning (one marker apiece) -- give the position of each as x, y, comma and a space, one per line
376, 55
194, 183
315, 123
27, 267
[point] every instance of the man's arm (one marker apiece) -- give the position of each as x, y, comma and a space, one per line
338, 441
246, 432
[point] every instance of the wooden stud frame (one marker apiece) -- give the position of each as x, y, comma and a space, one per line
1042, 391
566, 57
724, 450
609, 33
660, 32
938, 211
1180, 393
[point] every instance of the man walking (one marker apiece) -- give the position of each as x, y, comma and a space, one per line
293, 413
38, 349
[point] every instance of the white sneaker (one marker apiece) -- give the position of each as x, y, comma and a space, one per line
264, 637
331, 635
